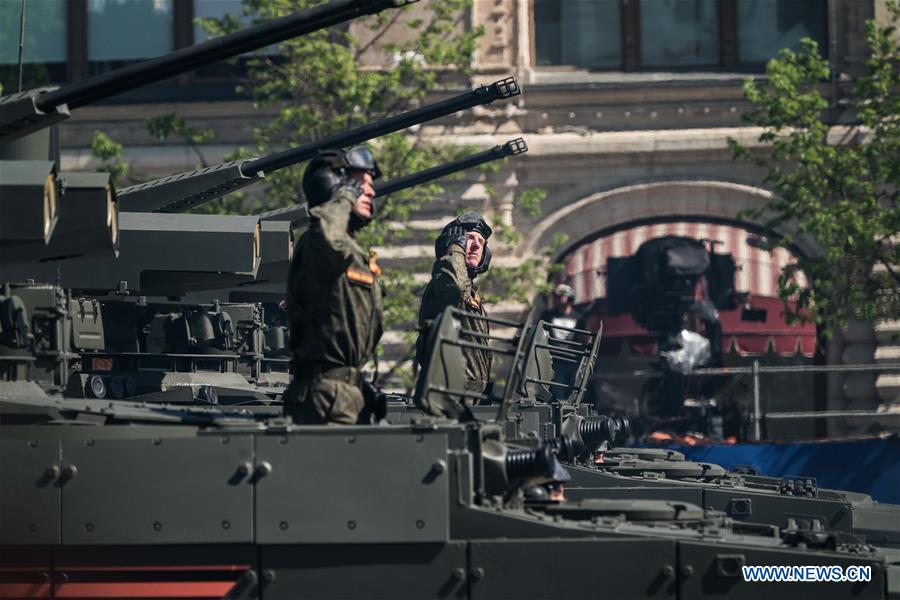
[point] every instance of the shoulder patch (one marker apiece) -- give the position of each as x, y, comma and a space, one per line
360, 277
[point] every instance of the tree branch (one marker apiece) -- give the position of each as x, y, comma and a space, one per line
362, 49
887, 266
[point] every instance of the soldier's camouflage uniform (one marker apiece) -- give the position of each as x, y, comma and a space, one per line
335, 311
451, 285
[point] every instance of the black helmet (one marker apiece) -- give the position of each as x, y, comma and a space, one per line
330, 170
471, 221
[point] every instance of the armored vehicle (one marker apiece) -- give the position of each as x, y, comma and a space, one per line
64, 229
102, 497
200, 352
601, 471
99, 500
156, 346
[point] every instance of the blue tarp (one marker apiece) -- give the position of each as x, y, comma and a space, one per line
868, 466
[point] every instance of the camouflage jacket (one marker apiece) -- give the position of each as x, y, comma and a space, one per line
451, 285
334, 298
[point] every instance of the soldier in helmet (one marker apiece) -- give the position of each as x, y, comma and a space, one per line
563, 317
562, 312
334, 297
461, 254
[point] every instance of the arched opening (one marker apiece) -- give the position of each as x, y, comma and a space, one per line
678, 200
615, 223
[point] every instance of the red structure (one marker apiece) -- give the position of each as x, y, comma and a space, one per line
758, 272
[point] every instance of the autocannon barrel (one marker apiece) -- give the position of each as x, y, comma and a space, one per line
227, 46
585, 434
511, 148
505, 88
186, 190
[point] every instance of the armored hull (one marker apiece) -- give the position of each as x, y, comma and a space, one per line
599, 472
347, 512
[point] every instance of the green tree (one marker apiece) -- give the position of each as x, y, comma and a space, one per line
162, 126
111, 155
834, 186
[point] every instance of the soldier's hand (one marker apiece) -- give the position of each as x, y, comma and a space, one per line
455, 234
354, 187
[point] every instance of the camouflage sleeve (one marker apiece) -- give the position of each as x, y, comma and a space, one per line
328, 242
450, 283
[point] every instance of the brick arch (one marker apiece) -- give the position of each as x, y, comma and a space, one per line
617, 207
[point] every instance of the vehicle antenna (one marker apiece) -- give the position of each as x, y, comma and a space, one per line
21, 41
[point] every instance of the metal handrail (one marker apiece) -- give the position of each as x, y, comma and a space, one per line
762, 369
758, 416
827, 414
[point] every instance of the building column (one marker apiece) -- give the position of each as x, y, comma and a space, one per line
508, 199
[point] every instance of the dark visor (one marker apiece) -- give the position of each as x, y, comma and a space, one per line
361, 158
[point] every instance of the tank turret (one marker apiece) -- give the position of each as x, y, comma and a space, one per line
88, 221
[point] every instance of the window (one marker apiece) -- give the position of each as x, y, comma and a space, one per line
672, 34
679, 33
581, 33
44, 48
70, 40
221, 73
764, 26
126, 30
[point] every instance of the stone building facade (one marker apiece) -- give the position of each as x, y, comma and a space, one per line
620, 134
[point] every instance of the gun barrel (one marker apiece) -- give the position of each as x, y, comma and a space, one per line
505, 88
227, 46
185, 190
511, 148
